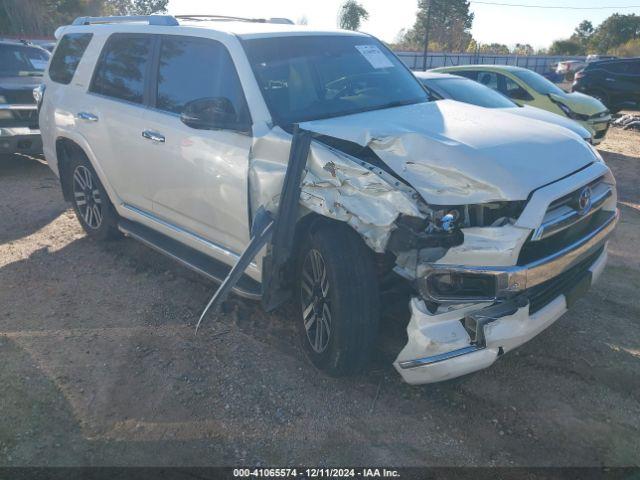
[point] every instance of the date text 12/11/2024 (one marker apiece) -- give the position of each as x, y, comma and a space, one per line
315, 472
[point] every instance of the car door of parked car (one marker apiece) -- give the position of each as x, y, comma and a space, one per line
113, 112
200, 171
622, 82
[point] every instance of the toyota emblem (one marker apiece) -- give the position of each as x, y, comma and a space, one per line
584, 201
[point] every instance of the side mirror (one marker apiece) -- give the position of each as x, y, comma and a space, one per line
213, 113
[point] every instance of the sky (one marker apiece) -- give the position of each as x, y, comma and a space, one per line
500, 24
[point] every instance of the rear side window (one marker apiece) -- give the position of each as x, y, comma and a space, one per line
467, 74
191, 69
631, 68
122, 68
67, 56
489, 79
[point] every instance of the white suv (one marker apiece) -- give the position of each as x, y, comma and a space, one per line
314, 163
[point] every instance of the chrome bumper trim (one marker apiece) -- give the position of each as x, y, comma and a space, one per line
420, 362
512, 280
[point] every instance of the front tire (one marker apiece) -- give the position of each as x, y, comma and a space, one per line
337, 299
90, 201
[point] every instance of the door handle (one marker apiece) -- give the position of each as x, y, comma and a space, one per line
86, 116
610, 79
155, 136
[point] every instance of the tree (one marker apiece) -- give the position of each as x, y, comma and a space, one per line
351, 15
42, 17
629, 49
565, 47
494, 48
523, 49
450, 22
135, 7
614, 31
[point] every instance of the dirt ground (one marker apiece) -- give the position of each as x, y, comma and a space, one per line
100, 365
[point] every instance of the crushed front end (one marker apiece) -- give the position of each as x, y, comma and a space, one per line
505, 284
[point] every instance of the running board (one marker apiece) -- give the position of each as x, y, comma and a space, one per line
190, 258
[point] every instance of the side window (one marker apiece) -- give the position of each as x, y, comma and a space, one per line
617, 67
122, 67
67, 56
469, 75
513, 90
488, 79
192, 69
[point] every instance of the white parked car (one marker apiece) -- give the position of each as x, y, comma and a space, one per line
455, 87
570, 66
314, 164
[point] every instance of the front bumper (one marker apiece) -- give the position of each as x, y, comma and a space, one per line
446, 345
20, 140
598, 129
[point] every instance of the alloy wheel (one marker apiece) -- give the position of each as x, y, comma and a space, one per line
86, 196
316, 305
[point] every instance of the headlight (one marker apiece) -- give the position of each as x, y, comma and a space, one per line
449, 286
6, 115
38, 94
570, 113
3, 99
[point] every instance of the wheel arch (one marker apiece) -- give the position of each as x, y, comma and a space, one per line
66, 147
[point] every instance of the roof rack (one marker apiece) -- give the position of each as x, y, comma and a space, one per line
164, 20
234, 19
220, 17
171, 20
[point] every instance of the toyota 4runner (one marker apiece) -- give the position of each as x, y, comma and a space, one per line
311, 165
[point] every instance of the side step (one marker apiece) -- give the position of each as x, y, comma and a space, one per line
190, 258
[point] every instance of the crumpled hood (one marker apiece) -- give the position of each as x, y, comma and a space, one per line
454, 153
580, 103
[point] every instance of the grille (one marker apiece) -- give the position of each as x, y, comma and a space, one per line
542, 295
564, 223
24, 97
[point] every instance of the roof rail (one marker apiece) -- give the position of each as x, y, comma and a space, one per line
220, 17
164, 20
236, 19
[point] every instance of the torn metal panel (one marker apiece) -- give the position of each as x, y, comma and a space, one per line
275, 287
349, 190
489, 246
335, 185
452, 154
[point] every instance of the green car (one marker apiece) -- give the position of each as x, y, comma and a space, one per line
526, 87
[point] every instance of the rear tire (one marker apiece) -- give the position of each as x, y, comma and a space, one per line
603, 98
90, 201
337, 300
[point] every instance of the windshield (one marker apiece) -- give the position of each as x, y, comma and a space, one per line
22, 61
468, 91
311, 77
538, 82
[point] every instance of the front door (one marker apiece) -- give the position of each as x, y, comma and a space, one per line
199, 177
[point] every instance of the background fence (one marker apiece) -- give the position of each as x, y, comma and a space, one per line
543, 64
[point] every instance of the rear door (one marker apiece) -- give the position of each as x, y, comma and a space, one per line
199, 178
622, 82
113, 117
